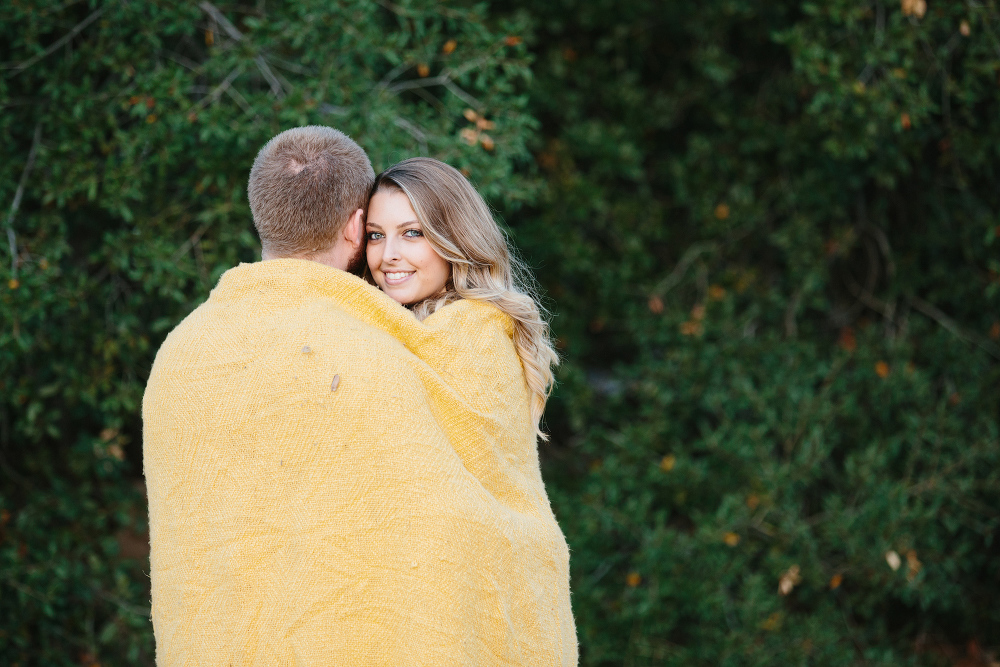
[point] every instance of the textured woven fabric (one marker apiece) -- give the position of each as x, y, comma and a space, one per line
332, 482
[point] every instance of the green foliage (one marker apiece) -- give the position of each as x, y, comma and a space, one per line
771, 237
148, 119
769, 231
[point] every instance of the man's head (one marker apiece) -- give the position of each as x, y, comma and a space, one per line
308, 190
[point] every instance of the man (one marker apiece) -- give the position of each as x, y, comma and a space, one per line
316, 489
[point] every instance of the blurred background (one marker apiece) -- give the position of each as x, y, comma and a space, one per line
768, 234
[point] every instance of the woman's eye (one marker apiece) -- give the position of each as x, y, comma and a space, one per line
374, 236
413, 233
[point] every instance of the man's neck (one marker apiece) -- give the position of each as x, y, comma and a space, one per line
333, 257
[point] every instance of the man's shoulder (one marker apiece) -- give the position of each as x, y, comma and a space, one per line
224, 330
282, 328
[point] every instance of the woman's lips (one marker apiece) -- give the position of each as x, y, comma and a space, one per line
397, 277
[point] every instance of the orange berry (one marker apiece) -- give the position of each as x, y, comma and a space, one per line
469, 136
847, 340
690, 328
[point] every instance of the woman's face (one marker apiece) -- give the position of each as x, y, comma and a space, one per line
403, 263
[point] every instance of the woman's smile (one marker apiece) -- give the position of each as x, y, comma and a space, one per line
397, 277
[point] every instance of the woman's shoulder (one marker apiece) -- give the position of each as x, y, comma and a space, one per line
475, 340
470, 316
474, 350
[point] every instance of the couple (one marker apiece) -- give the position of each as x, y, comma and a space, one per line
342, 473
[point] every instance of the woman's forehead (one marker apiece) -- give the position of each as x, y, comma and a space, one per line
390, 209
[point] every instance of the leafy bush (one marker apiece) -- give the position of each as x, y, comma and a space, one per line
769, 232
771, 235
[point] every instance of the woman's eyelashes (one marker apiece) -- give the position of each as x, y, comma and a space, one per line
374, 236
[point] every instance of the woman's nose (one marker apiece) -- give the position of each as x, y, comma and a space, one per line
391, 250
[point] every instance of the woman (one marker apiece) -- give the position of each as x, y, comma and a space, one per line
434, 247
432, 242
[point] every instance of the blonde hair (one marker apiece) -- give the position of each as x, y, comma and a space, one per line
460, 227
305, 184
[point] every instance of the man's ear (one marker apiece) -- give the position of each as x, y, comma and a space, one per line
354, 230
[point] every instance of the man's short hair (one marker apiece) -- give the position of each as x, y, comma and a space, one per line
305, 184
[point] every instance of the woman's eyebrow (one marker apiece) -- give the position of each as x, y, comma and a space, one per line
405, 223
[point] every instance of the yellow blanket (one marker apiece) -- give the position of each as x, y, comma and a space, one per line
332, 482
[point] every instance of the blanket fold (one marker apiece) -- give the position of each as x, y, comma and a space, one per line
332, 482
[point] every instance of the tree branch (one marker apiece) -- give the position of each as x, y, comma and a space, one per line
124, 605
221, 88
332, 110
462, 95
932, 312
413, 130
234, 33
190, 243
391, 75
239, 99
791, 326
276, 87
59, 42
182, 60
402, 11
439, 80
11, 237
221, 19
686, 261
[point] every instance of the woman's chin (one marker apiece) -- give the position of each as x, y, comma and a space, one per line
408, 298
404, 297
